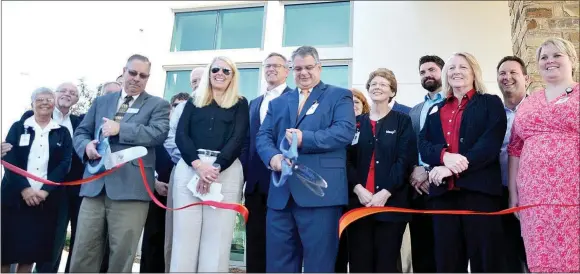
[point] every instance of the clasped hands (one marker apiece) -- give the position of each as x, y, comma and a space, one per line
367, 199
33, 197
454, 163
207, 175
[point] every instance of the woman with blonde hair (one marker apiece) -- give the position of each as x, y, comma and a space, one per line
209, 136
461, 141
544, 163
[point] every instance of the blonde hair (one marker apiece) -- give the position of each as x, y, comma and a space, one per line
203, 95
478, 84
564, 46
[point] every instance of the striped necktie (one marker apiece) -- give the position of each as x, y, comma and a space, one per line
123, 108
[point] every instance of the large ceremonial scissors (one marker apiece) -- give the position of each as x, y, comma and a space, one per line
110, 159
290, 166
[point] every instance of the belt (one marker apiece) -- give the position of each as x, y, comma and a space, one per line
207, 152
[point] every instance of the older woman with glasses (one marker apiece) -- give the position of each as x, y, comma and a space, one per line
30, 208
210, 135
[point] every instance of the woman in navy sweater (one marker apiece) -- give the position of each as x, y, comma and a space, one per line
29, 208
379, 164
461, 141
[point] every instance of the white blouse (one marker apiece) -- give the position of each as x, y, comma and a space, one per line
39, 152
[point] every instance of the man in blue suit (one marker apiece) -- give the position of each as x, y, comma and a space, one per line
256, 174
299, 224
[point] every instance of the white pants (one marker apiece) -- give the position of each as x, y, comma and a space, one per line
202, 236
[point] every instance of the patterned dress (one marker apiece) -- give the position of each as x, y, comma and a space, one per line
545, 136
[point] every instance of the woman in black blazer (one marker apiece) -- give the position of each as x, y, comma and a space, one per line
461, 142
29, 208
379, 164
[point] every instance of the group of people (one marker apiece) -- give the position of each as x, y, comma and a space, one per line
458, 149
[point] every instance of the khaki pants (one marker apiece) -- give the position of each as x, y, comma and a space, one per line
406, 260
125, 221
202, 236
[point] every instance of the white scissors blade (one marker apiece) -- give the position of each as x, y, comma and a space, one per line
124, 156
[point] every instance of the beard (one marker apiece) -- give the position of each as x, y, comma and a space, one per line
431, 86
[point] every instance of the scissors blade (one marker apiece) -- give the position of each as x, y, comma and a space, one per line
310, 179
124, 156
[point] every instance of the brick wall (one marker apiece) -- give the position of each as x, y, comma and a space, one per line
534, 21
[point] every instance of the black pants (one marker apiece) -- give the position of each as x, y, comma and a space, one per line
422, 238
474, 238
256, 232
153, 245
514, 243
374, 246
342, 257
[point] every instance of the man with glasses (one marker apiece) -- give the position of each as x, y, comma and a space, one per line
128, 118
301, 225
256, 174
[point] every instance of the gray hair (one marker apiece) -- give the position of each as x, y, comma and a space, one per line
194, 70
66, 83
304, 51
275, 54
41, 90
138, 57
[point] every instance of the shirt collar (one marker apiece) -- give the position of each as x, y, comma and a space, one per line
392, 103
438, 96
517, 106
58, 113
469, 95
123, 94
31, 122
277, 90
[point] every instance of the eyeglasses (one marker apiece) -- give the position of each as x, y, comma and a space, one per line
276, 66
135, 73
215, 70
308, 68
42, 100
374, 84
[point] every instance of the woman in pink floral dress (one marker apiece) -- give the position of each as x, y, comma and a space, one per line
544, 163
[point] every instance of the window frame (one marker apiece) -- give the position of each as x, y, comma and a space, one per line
218, 9
285, 3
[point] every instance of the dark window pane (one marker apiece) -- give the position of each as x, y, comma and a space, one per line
240, 28
249, 83
323, 24
194, 31
176, 82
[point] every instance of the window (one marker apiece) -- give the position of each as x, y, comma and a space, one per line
178, 81
320, 24
337, 75
218, 29
249, 83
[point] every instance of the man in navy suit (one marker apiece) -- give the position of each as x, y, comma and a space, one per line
299, 224
256, 174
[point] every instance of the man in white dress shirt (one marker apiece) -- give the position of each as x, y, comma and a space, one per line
256, 174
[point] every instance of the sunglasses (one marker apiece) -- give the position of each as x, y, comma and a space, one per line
135, 73
215, 70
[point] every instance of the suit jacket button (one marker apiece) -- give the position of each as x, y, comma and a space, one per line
377, 187
377, 162
461, 140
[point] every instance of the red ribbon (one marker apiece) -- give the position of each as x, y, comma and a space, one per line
358, 213
235, 207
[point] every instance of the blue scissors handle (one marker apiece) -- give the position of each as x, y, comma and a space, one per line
97, 166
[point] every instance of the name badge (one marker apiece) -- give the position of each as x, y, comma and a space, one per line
132, 110
355, 140
433, 110
312, 109
24, 140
